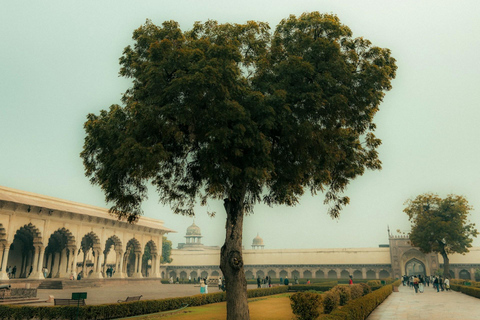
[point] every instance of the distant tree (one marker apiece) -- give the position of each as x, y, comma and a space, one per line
166, 251
230, 112
440, 225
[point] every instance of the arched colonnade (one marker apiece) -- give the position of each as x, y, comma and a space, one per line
39, 234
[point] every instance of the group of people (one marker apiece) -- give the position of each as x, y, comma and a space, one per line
266, 282
418, 282
11, 271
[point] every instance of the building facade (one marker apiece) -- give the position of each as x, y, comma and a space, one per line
393, 260
44, 237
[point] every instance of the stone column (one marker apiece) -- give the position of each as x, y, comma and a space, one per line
377, 274
75, 261
137, 266
56, 265
3, 273
119, 266
96, 266
62, 268
39, 252
155, 272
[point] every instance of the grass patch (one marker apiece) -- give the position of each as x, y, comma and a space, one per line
271, 308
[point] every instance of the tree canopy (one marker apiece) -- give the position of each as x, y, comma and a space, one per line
236, 113
166, 251
440, 225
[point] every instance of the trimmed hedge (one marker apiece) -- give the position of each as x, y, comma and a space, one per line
122, 310
354, 309
361, 308
471, 291
311, 287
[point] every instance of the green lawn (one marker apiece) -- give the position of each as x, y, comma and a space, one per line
265, 308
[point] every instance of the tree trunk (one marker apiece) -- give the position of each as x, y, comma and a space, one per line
231, 262
446, 265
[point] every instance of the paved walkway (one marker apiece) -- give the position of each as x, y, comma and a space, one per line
406, 305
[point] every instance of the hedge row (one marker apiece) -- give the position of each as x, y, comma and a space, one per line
309, 305
361, 308
471, 291
312, 287
356, 302
121, 310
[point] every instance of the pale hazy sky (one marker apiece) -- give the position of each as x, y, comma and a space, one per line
59, 62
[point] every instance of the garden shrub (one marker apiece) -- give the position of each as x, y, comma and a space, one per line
316, 287
360, 308
343, 293
306, 305
366, 288
356, 291
468, 290
331, 300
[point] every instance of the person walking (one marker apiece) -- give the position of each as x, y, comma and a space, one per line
447, 284
415, 283
435, 284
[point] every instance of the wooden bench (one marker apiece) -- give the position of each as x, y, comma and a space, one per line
130, 299
68, 302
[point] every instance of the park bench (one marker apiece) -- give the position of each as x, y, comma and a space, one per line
68, 302
129, 299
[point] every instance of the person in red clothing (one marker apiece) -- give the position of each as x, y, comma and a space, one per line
351, 280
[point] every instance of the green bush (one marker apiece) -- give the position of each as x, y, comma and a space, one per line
366, 288
306, 305
471, 291
360, 308
315, 287
331, 300
343, 293
356, 291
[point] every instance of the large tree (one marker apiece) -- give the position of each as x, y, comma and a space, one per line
232, 112
440, 225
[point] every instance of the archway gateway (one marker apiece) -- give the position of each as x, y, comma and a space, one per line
415, 267
44, 236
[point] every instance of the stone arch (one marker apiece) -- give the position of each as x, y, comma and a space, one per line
3, 233
415, 267
319, 274
464, 275
91, 248
163, 274
194, 275
295, 274
22, 251
183, 275
383, 274
148, 258
112, 257
173, 275
260, 274
60, 254
283, 274
272, 274
344, 274
307, 274
371, 274
332, 274
131, 258
357, 274
215, 273
204, 274
249, 274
